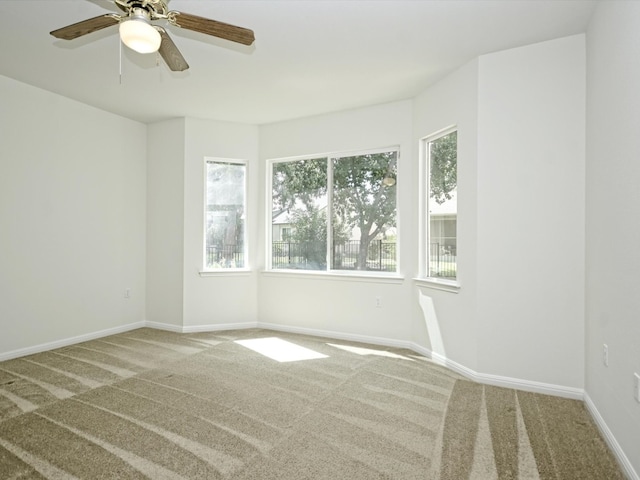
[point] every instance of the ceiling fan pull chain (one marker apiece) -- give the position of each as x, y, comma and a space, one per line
120, 60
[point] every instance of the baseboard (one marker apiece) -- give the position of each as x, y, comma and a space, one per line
528, 386
382, 341
200, 328
624, 462
386, 342
500, 381
495, 380
444, 361
164, 326
217, 327
43, 347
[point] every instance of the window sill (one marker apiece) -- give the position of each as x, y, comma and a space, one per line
225, 272
334, 275
438, 284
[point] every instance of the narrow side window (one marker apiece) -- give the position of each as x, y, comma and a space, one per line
441, 157
225, 215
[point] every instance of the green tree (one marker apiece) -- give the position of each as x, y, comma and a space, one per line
300, 188
443, 157
363, 199
310, 233
298, 181
360, 197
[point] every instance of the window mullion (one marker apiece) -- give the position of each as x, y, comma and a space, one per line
330, 213
268, 212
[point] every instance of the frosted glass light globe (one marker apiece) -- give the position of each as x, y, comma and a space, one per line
139, 35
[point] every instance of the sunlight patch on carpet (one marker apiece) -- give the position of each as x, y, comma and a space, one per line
368, 351
280, 350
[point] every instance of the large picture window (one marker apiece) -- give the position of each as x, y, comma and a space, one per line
225, 215
335, 213
440, 153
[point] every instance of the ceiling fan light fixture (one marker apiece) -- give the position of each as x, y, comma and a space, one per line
138, 32
139, 35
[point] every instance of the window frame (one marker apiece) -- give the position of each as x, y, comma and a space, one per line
207, 271
328, 271
425, 278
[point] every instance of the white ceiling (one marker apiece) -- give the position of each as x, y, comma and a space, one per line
310, 56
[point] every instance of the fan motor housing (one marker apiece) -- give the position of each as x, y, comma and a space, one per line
156, 8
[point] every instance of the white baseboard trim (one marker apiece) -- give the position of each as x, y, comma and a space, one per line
495, 380
386, 342
500, 381
382, 341
529, 386
43, 347
444, 361
200, 328
624, 462
219, 327
164, 326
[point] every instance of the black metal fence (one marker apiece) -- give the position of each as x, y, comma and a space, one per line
299, 255
442, 260
225, 255
380, 256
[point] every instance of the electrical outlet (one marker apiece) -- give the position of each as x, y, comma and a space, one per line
636, 387
378, 302
605, 354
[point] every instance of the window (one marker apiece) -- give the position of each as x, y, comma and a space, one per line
440, 153
335, 213
225, 214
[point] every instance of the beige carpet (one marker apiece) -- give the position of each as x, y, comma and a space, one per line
158, 405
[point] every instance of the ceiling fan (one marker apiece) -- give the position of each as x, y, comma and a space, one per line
138, 33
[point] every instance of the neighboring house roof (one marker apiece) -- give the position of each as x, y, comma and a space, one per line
280, 217
449, 207
284, 216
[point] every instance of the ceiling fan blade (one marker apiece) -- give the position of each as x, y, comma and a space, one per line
170, 53
86, 26
212, 27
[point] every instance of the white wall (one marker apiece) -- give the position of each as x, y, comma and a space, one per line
445, 322
165, 222
179, 297
338, 304
520, 116
530, 212
613, 210
520, 308
228, 298
72, 218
